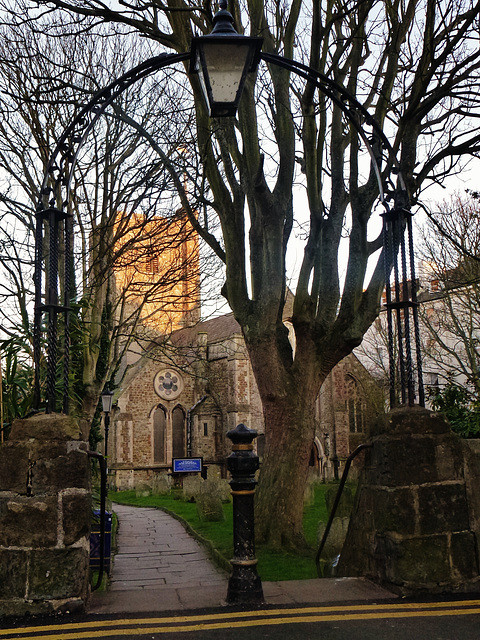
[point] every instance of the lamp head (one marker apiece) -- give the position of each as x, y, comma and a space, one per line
222, 60
107, 399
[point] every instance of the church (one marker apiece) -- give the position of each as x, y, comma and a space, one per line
182, 396
192, 382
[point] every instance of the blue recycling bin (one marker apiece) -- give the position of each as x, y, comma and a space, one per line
95, 541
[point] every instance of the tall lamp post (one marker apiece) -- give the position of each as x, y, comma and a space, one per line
107, 399
221, 60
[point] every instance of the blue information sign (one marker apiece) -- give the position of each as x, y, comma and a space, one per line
187, 465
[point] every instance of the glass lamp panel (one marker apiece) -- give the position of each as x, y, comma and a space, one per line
225, 65
107, 399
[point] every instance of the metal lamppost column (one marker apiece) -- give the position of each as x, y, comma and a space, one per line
244, 585
107, 400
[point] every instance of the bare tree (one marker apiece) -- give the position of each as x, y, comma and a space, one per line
448, 254
450, 251
415, 66
128, 215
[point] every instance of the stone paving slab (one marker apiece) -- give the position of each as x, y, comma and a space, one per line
154, 550
323, 591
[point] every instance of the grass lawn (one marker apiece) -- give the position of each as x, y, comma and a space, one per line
271, 565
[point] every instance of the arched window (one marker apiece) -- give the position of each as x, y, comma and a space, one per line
355, 406
178, 433
159, 431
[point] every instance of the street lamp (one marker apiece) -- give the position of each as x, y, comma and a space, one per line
222, 60
107, 399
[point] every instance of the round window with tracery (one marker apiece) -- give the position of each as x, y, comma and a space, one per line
168, 384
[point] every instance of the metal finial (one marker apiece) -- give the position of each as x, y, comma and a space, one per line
223, 21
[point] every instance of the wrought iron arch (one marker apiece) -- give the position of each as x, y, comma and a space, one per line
52, 209
54, 195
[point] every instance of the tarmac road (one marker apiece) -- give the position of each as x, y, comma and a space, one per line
163, 587
404, 620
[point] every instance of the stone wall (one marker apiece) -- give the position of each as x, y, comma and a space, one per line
416, 522
45, 507
333, 414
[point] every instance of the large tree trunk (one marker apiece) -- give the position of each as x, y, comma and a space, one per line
279, 502
288, 396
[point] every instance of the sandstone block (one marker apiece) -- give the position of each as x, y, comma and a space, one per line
394, 511
29, 522
63, 469
414, 420
43, 427
58, 573
13, 573
402, 461
14, 466
76, 517
443, 508
422, 562
463, 554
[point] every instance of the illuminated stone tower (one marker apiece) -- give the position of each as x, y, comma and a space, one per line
157, 270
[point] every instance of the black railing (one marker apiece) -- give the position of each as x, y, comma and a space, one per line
103, 500
336, 502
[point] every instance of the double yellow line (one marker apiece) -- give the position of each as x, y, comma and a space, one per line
268, 617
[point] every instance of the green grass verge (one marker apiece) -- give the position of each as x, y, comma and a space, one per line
218, 536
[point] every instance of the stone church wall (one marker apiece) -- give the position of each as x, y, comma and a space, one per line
218, 392
348, 388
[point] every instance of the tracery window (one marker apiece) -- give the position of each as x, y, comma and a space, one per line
178, 432
355, 406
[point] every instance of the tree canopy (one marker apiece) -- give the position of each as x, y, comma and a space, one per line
126, 212
449, 247
291, 167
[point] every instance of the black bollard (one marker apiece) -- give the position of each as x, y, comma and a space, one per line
244, 586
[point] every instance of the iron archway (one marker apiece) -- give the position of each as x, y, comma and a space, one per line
401, 302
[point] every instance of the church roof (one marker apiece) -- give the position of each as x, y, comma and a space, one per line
216, 329
221, 327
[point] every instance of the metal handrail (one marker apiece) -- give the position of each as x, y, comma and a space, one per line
103, 498
336, 502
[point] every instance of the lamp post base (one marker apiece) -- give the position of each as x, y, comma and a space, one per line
245, 585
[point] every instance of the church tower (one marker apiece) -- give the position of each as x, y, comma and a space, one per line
157, 270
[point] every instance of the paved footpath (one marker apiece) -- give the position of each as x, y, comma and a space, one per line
158, 565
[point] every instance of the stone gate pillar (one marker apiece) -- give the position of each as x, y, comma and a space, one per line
45, 504
415, 526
